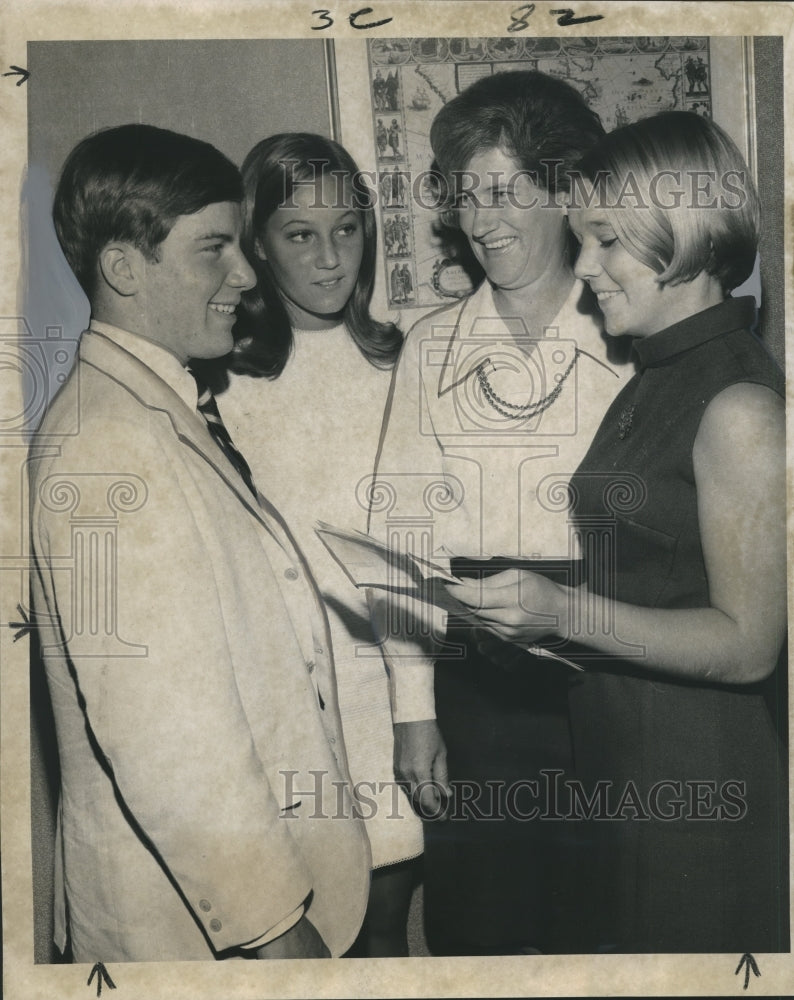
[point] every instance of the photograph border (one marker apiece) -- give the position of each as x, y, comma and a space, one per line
26, 21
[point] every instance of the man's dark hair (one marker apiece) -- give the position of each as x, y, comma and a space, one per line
131, 183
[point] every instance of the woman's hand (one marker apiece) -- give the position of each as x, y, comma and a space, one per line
517, 605
420, 765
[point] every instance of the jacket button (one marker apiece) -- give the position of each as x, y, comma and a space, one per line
310, 665
215, 924
205, 905
291, 574
318, 650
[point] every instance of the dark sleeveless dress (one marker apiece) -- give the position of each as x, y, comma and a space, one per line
696, 858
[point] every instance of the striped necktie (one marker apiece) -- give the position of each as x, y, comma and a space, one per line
208, 408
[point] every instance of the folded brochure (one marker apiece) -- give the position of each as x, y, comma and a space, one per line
369, 563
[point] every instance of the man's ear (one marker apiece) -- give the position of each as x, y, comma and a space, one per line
259, 250
121, 266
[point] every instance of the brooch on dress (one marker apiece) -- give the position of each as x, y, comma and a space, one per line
625, 420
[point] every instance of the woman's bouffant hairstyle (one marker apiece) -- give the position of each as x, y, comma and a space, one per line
131, 183
679, 196
541, 122
271, 172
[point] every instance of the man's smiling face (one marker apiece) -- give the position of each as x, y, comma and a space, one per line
190, 293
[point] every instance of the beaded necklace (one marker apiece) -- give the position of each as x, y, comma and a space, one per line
524, 410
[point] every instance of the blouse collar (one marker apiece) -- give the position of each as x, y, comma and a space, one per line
478, 320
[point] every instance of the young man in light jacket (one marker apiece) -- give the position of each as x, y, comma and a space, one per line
205, 800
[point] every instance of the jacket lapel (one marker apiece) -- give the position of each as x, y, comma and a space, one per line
153, 393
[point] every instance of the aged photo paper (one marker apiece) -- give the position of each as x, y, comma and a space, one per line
371, 74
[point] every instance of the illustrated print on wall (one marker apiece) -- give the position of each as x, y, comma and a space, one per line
425, 50
697, 75
394, 188
397, 235
700, 108
390, 51
386, 90
389, 139
395, 133
381, 137
401, 285
616, 45
468, 49
652, 43
501, 49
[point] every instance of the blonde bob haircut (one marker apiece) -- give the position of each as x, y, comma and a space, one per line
679, 196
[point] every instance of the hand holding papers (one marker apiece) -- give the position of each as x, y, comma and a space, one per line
369, 563
503, 602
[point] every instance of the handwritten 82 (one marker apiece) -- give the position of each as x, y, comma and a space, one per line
565, 17
519, 18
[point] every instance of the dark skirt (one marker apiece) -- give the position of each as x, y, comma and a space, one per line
500, 869
691, 852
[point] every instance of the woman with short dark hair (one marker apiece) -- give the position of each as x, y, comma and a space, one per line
494, 403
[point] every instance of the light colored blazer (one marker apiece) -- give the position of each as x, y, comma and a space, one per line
204, 785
